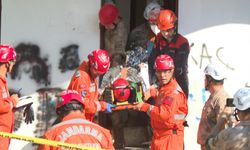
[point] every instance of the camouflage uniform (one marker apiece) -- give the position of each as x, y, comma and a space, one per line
236, 138
213, 108
115, 39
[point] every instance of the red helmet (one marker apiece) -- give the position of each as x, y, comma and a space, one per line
99, 60
7, 53
67, 96
121, 90
108, 14
164, 62
166, 20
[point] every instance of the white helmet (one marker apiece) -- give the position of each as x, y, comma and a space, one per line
214, 72
151, 6
242, 98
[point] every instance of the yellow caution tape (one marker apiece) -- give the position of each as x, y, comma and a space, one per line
44, 141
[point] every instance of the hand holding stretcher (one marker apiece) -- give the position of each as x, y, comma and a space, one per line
122, 107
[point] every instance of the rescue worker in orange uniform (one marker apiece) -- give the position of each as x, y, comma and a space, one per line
170, 109
7, 101
84, 81
73, 127
170, 42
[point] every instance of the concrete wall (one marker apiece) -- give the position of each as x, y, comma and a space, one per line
220, 29
51, 25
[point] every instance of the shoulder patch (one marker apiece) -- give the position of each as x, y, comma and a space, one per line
4, 94
167, 101
178, 89
83, 86
83, 93
77, 73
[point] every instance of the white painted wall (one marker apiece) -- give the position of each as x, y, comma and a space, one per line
52, 25
224, 27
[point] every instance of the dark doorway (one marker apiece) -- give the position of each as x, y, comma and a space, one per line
132, 12
172, 5
137, 9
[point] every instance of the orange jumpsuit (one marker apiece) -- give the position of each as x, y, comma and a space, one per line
6, 112
88, 88
75, 129
167, 117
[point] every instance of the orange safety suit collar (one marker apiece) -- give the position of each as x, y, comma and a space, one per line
74, 115
85, 66
3, 79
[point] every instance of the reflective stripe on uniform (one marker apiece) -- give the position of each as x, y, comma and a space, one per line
98, 106
77, 73
4, 94
11, 105
178, 89
150, 109
179, 116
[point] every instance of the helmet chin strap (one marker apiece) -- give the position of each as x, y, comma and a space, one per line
91, 72
8, 66
236, 115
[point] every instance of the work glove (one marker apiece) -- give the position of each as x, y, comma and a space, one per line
109, 108
28, 114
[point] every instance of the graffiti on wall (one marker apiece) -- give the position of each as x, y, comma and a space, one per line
70, 59
29, 61
46, 114
206, 55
